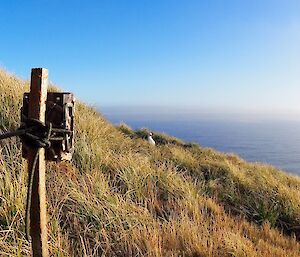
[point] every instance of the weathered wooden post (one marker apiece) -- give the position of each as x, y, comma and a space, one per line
47, 133
38, 211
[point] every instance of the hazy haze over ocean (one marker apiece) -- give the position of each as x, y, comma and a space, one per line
272, 138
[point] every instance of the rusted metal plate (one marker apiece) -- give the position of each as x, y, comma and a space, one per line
60, 109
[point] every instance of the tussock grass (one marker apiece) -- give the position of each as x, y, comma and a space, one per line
122, 197
259, 192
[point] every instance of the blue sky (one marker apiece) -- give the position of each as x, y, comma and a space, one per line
213, 54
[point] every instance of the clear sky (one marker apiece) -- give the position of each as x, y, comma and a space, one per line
218, 54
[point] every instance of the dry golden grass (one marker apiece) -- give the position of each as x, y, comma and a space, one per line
121, 197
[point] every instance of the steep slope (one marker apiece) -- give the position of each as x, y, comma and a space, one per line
259, 192
122, 197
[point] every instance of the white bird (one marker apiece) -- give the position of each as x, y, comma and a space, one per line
150, 139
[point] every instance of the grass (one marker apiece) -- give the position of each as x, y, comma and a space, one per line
121, 197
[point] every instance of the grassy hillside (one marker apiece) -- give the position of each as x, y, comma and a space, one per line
122, 197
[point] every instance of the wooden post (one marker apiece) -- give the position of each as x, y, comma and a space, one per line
38, 215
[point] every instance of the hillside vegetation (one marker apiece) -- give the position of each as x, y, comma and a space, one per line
122, 197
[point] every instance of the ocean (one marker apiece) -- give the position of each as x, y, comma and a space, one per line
255, 139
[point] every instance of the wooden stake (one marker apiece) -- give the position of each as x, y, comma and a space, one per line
38, 215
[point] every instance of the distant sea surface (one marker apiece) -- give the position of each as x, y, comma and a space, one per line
271, 141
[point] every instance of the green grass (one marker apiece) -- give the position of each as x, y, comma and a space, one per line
121, 197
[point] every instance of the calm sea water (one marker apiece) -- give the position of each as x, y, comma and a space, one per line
275, 142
